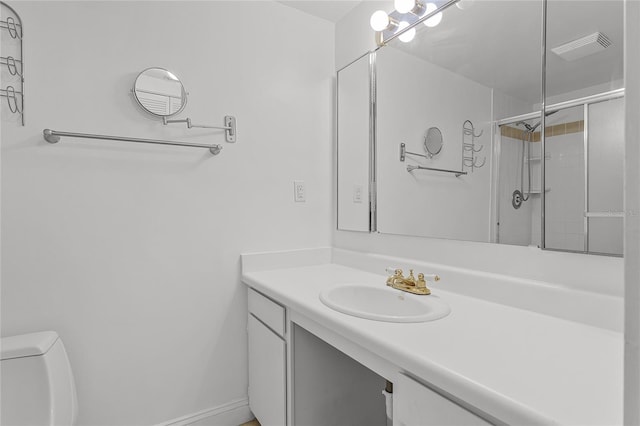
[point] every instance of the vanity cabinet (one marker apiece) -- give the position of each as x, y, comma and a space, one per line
267, 360
416, 404
326, 381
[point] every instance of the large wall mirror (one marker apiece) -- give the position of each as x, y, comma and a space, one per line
503, 173
584, 133
356, 171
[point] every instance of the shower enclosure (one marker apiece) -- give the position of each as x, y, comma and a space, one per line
558, 173
583, 170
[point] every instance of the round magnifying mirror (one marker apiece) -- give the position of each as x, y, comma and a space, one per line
433, 141
159, 92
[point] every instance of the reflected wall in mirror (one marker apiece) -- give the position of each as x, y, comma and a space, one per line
159, 92
584, 138
414, 95
356, 212
483, 63
479, 64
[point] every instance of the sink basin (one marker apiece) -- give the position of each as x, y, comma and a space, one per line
383, 303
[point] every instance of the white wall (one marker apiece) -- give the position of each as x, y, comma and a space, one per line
588, 272
632, 219
131, 252
414, 95
354, 33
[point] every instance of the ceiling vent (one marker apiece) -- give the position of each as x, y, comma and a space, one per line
582, 47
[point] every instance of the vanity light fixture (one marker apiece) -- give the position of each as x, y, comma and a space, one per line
401, 22
416, 7
464, 4
381, 21
407, 36
435, 20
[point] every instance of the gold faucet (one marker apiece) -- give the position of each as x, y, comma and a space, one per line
410, 284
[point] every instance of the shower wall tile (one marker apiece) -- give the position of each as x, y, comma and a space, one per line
565, 200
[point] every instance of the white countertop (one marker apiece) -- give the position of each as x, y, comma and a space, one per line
509, 362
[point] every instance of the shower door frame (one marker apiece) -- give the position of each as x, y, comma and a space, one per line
585, 102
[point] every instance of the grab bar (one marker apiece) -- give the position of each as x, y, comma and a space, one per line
53, 136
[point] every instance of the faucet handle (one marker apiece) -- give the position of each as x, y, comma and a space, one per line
394, 274
431, 277
422, 281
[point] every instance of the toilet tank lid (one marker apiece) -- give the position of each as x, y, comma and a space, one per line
31, 344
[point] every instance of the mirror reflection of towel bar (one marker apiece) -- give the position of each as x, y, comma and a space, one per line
604, 214
53, 136
456, 172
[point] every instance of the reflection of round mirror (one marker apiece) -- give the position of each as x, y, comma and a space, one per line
433, 141
159, 92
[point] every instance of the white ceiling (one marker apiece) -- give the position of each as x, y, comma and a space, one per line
331, 10
497, 44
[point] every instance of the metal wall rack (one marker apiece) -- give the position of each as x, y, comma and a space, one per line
469, 151
13, 61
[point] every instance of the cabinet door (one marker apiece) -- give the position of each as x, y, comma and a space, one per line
416, 405
267, 374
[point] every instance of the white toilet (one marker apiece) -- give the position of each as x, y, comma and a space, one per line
37, 382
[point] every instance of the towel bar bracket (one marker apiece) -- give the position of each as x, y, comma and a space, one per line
229, 126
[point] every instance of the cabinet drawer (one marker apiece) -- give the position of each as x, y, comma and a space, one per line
268, 311
417, 405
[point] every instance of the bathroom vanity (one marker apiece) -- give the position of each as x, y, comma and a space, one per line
483, 363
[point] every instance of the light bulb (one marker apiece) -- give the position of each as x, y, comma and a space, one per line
404, 6
409, 35
379, 20
464, 4
434, 20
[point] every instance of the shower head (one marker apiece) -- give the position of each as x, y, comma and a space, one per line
527, 126
533, 128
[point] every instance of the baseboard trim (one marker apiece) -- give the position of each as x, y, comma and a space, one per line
233, 413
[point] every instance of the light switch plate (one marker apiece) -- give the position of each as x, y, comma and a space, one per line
299, 191
357, 193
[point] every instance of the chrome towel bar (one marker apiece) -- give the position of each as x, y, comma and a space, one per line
53, 136
604, 214
455, 172
410, 168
